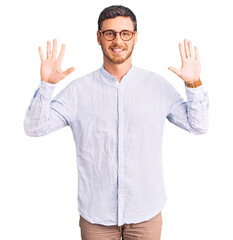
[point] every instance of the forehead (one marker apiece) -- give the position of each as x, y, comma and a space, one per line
118, 23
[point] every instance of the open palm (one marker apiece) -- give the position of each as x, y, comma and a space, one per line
191, 67
51, 71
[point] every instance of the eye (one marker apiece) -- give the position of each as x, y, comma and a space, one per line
126, 33
109, 33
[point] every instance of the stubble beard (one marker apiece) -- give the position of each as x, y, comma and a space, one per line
116, 59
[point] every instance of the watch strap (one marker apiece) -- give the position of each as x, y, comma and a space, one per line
194, 85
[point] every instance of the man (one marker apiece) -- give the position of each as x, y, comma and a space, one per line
117, 114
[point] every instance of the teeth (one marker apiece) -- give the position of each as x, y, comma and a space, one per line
117, 50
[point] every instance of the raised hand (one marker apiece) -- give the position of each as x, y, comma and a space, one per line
191, 67
50, 70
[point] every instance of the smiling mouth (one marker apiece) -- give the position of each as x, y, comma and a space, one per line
117, 50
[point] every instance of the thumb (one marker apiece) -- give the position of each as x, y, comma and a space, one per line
69, 70
175, 70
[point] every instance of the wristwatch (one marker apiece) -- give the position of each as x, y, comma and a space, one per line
194, 85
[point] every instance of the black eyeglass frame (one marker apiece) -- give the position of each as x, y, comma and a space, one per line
115, 33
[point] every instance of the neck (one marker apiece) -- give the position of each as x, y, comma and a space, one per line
118, 70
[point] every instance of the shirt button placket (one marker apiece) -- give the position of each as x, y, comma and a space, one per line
120, 157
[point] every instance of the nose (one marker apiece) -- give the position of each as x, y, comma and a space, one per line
117, 38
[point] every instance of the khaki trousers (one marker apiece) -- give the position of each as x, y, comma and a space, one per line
147, 230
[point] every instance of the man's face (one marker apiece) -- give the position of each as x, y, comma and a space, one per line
117, 51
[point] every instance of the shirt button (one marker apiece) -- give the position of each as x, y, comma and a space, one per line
120, 171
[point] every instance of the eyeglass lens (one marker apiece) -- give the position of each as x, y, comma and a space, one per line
125, 35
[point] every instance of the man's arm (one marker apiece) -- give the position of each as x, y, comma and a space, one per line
43, 115
193, 114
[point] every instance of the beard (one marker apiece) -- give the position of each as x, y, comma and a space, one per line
113, 58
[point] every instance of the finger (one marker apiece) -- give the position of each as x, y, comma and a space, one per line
61, 55
186, 48
48, 49
190, 49
182, 54
175, 70
41, 54
196, 53
54, 54
69, 70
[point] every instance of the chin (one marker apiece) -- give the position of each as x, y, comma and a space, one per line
118, 61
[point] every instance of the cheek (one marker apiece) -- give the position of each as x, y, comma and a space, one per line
107, 47
130, 46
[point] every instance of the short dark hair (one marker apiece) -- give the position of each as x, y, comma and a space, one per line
115, 11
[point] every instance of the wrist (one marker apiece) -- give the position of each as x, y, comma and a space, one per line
194, 84
47, 81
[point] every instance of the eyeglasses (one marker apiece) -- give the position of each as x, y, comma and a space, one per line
110, 35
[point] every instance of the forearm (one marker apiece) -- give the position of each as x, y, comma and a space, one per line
40, 118
193, 114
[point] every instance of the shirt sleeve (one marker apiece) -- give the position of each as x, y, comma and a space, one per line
192, 115
43, 115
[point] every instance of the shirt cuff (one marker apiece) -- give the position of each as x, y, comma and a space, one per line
46, 89
195, 94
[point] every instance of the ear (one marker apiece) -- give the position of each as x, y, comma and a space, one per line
98, 37
135, 37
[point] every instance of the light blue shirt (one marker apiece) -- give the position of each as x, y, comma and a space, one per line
118, 130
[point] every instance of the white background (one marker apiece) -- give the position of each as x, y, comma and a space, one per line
38, 176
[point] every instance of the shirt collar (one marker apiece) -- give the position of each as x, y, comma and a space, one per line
114, 80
